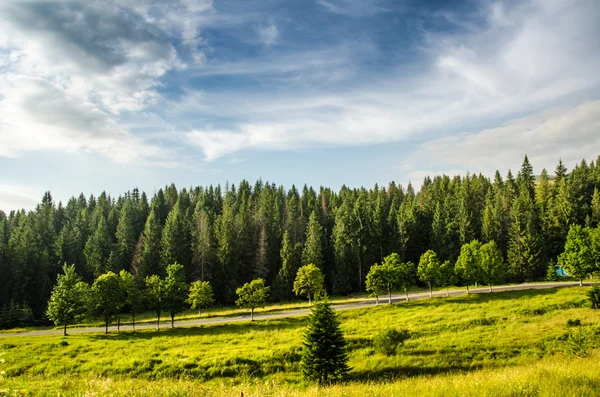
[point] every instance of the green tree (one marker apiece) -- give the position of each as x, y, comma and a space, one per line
107, 297
155, 296
491, 264
407, 276
310, 281
578, 257
125, 235
428, 270
68, 301
290, 262
98, 249
468, 264
446, 276
324, 356
134, 302
200, 296
376, 281
150, 252
252, 295
313, 247
175, 290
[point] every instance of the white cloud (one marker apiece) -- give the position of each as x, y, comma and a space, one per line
525, 58
68, 70
268, 35
569, 133
14, 197
352, 8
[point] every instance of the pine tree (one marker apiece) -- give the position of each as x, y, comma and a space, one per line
98, 249
313, 248
126, 236
324, 356
150, 253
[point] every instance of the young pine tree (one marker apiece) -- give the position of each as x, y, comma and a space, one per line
324, 356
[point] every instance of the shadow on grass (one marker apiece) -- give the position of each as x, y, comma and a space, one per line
204, 330
390, 373
477, 298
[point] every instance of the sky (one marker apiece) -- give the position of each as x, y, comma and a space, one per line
112, 95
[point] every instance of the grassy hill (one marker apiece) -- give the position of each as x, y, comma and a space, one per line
507, 344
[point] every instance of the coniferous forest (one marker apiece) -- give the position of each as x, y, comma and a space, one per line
233, 234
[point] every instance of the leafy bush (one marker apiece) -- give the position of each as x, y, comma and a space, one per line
594, 296
388, 341
573, 322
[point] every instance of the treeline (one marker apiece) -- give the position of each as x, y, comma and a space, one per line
239, 233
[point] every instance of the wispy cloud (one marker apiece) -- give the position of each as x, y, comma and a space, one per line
353, 8
567, 133
268, 35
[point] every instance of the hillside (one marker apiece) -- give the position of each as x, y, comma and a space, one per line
509, 343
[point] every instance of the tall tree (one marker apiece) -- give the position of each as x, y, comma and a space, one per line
578, 258
107, 297
429, 267
174, 290
313, 248
309, 281
98, 249
492, 269
468, 264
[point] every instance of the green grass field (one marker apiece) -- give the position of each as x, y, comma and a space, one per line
506, 344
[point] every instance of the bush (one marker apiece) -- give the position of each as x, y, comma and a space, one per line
573, 322
388, 341
578, 342
594, 296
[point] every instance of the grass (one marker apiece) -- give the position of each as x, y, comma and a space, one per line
510, 343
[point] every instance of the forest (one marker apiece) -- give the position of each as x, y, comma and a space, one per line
231, 235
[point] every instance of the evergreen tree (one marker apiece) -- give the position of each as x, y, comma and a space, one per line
313, 248
126, 235
98, 249
150, 250
324, 356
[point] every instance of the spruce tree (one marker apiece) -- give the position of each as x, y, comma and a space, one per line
313, 248
324, 356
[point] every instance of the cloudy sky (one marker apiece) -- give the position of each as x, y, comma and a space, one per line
110, 95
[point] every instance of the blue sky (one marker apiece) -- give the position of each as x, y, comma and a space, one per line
111, 95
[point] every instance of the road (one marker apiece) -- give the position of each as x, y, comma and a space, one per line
296, 313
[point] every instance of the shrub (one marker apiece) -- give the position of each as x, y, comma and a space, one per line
579, 342
388, 341
573, 322
594, 296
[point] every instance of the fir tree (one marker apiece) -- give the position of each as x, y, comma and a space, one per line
324, 356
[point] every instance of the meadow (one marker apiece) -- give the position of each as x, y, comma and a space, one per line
522, 343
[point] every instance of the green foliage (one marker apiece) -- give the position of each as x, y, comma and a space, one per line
309, 281
313, 247
492, 270
155, 296
107, 298
551, 272
385, 277
468, 264
134, 299
200, 295
429, 268
252, 295
174, 290
69, 298
578, 257
390, 340
324, 356
579, 341
594, 296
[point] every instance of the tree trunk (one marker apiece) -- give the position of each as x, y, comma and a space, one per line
252, 314
406, 291
581, 282
158, 321
376, 300
199, 312
468, 292
490, 287
390, 296
106, 324
447, 292
118, 323
133, 321
430, 289
172, 319
65, 330
475, 284
309, 300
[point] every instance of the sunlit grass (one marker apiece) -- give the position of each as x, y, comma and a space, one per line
456, 344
